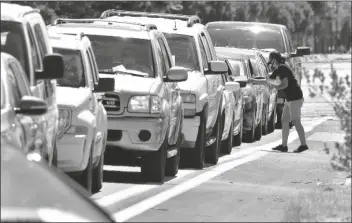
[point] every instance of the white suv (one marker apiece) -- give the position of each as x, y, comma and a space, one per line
83, 119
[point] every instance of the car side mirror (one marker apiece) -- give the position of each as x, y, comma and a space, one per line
30, 105
216, 67
232, 86
176, 74
242, 80
53, 65
105, 84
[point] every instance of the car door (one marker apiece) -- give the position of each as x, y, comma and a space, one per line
171, 90
212, 83
44, 89
238, 95
20, 87
258, 88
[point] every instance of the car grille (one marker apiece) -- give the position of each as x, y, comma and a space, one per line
111, 102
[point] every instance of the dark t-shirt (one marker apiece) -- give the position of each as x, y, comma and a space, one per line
293, 91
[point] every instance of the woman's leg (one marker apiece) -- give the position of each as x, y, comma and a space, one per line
295, 108
285, 120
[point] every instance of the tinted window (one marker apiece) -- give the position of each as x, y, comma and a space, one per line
13, 42
165, 55
247, 37
238, 67
15, 96
125, 54
184, 49
203, 54
73, 71
21, 79
41, 40
35, 53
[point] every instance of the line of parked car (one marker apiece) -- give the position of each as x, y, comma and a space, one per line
146, 85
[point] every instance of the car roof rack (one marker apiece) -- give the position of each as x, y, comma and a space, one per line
191, 19
29, 12
110, 22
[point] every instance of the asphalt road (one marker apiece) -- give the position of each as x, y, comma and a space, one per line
251, 184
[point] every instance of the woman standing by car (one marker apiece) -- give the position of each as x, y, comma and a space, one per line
283, 79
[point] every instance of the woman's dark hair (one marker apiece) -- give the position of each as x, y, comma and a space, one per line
277, 56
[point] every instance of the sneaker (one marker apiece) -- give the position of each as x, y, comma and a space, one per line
301, 149
281, 148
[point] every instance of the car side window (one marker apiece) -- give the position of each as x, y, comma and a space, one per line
40, 39
289, 42
90, 63
161, 72
35, 54
96, 70
13, 88
166, 60
21, 79
206, 46
3, 99
203, 54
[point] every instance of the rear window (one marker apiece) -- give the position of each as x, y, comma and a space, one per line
184, 49
247, 37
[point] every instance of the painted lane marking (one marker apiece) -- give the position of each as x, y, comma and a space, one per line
136, 190
166, 195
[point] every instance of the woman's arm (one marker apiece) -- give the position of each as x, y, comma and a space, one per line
282, 85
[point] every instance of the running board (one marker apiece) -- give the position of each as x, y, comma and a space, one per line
210, 141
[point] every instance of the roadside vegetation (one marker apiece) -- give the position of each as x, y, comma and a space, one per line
329, 203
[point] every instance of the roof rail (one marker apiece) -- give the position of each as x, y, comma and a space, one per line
191, 19
29, 12
110, 22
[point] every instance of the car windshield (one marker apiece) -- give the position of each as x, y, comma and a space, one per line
13, 42
247, 38
128, 55
184, 49
238, 67
73, 71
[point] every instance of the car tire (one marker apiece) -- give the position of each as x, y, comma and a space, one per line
237, 139
154, 163
87, 175
172, 164
54, 161
265, 120
226, 145
212, 153
98, 172
199, 150
250, 135
271, 124
258, 131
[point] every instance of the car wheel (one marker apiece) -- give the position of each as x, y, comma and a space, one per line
271, 124
237, 139
172, 164
153, 164
265, 120
258, 131
226, 145
212, 153
98, 172
87, 176
199, 151
251, 134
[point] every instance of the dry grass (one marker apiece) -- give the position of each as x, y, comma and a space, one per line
328, 204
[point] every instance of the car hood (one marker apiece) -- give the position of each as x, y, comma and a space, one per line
32, 185
192, 83
126, 83
72, 97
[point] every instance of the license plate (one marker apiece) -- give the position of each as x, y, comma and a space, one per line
110, 102
280, 101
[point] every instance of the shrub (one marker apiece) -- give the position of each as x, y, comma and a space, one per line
339, 94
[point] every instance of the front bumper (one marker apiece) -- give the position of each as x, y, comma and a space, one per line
127, 133
190, 131
72, 150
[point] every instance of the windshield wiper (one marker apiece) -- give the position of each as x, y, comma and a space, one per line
107, 71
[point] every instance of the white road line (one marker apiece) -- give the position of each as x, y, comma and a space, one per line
151, 202
135, 190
